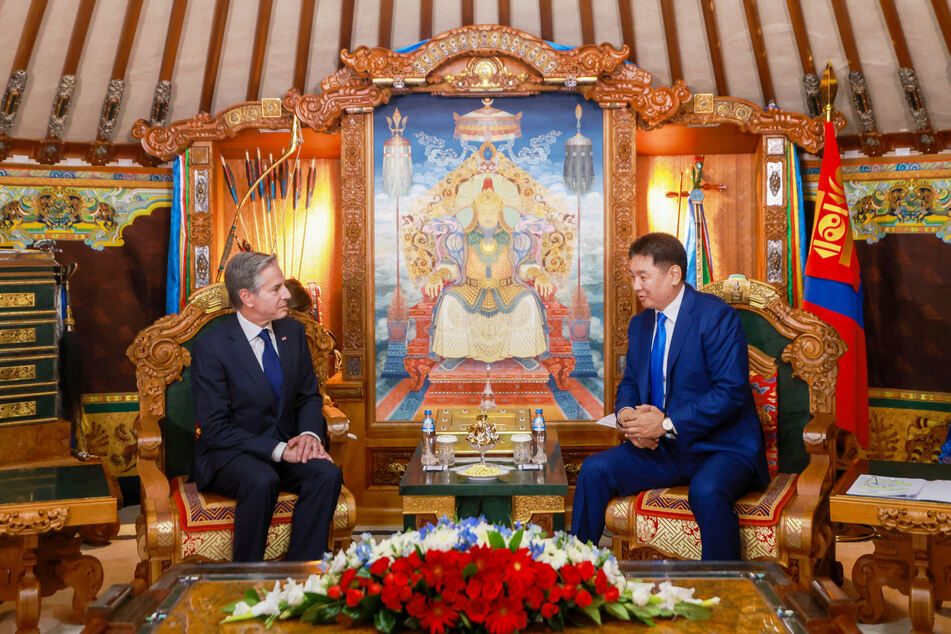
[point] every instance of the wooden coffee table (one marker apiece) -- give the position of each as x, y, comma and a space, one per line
913, 546
41, 510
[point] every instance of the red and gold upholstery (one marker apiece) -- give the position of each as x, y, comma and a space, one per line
179, 523
793, 366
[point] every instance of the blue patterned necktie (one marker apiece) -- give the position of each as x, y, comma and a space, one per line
657, 363
272, 365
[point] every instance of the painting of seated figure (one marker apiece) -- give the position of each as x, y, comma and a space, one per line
489, 256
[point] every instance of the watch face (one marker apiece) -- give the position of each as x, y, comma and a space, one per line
668, 424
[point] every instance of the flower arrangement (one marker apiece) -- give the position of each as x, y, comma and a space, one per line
470, 576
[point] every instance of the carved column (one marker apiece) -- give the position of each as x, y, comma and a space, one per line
355, 170
200, 173
774, 199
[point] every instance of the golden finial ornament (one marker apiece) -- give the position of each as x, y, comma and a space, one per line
827, 89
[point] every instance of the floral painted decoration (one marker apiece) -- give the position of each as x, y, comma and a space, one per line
470, 576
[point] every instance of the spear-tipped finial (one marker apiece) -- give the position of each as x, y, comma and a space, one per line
396, 123
827, 89
578, 117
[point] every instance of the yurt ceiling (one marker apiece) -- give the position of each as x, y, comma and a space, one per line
73, 63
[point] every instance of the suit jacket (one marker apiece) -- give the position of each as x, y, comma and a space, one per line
235, 406
708, 398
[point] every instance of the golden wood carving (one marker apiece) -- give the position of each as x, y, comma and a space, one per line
621, 152
33, 521
18, 372
166, 143
387, 467
159, 358
17, 300
761, 363
339, 92
775, 224
631, 86
907, 520
17, 335
18, 409
525, 506
749, 117
437, 505
354, 170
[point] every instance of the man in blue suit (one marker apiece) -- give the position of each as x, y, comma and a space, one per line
259, 412
684, 406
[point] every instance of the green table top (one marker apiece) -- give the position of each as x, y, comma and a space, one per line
46, 484
550, 480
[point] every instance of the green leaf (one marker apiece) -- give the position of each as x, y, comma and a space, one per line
469, 570
363, 572
324, 614
593, 613
516, 540
617, 611
244, 617
251, 597
270, 621
644, 613
385, 621
228, 609
556, 622
313, 597
354, 612
496, 540
692, 611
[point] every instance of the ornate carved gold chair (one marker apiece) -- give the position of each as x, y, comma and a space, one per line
177, 522
793, 367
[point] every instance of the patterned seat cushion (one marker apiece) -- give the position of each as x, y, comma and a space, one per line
206, 522
661, 518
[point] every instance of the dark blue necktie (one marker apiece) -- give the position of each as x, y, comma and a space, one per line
272, 365
657, 363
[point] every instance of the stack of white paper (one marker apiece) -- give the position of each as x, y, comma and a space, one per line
901, 488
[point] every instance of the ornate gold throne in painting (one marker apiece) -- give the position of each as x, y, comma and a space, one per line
177, 522
793, 367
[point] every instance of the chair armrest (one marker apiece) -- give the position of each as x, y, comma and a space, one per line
338, 432
157, 513
819, 437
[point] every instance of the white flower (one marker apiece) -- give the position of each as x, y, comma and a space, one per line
640, 592
271, 603
339, 563
576, 553
441, 538
241, 608
553, 556
293, 593
670, 595
316, 584
612, 571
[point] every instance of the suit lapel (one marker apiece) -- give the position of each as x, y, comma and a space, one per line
684, 320
288, 361
245, 355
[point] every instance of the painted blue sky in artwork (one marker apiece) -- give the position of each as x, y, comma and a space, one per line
541, 114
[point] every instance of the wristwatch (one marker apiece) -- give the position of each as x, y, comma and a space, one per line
668, 425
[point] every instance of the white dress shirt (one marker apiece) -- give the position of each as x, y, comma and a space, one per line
251, 331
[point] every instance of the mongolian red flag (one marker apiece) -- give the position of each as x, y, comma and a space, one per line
833, 289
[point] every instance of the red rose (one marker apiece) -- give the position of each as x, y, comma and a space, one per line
347, 577
492, 586
555, 593
374, 588
612, 594
402, 566
586, 570
417, 605
601, 582
545, 576
568, 591
549, 610
534, 597
583, 598
478, 609
380, 566
334, 592
354, 597
391, 598
570, 574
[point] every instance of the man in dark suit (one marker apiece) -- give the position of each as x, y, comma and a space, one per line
684, 406
259, 412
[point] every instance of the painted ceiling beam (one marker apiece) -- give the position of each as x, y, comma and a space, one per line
505, 12
943, 15
305, 29
262, 25
870, 136
163, 88
50, 151
627, 27
547, 20
425, 19
672, 40
925, 140
716, 51
810, 80
385, 28
16, 83
468, 12
219, 21
346, 28
587, 21
112, 102
759, 51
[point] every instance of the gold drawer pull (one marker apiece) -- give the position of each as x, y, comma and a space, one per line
17, 335
17, 300
18, 372
17, 410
